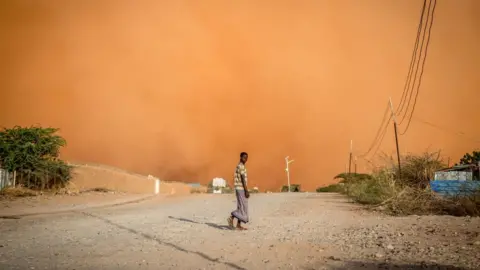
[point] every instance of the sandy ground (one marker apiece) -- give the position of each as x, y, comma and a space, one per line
54, 203
287, 231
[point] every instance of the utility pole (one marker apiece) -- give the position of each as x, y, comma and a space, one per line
396, 138
355, 165
287, 162
350, 158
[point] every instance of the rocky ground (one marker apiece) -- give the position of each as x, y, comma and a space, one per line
287, 231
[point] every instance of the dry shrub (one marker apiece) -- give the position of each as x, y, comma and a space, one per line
99, 190
424, 202
198, 190
414, 201
418, 170
371, 190
293, 188
346, 177
17, 192
410, 193
331, 188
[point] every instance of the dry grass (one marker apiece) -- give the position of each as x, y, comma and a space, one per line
198, 190
17, 192
331, 188
374, 190
425, 202
70, 189
410, 193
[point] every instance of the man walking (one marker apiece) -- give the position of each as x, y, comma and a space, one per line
242, 194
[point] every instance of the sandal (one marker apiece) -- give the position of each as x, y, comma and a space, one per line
230, 222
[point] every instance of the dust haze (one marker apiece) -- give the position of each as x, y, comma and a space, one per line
179, 88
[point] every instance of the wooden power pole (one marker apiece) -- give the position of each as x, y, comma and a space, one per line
396, 138
350, 158
355, 165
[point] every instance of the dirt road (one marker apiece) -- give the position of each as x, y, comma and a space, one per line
287, 231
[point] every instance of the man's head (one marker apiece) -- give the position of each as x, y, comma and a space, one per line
243, 157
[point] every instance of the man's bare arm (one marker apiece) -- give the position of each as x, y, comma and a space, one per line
244, 183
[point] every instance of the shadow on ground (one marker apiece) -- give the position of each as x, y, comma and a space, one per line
213, 225
159, 241
381, 265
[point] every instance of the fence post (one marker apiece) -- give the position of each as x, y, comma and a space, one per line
157, 186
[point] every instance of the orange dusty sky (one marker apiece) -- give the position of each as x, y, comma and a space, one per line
178, 89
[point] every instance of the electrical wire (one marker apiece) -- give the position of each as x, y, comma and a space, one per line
407, 92
457, 133
379, 132
382, 137
405, 113
412, 62
421, 73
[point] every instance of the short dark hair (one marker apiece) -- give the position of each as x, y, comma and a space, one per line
243, 154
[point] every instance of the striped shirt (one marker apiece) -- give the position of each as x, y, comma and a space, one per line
239, 171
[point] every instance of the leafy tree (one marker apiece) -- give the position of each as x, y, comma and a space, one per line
33, 153
472, 158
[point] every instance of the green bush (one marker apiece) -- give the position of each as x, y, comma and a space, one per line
372, 190
32, 152
331, 188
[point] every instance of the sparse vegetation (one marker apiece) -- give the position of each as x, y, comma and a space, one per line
32, 152
253, 190
17, 192
196, 191
98, 189
408, 193
418, 170
331, 188
227, 189
353, 176
293, 188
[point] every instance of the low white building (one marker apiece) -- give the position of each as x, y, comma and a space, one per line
219, 182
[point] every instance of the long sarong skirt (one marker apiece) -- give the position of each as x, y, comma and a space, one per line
242, 206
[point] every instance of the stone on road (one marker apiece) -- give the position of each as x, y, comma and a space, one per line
287, 231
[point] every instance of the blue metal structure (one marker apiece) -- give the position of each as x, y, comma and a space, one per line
455, 187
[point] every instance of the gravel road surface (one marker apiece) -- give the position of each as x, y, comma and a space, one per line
287, 231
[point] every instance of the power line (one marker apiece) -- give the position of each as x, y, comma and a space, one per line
423, 66
379, 132
418, 66
412, 62
409, 86
381, 139
406, 89
457, 133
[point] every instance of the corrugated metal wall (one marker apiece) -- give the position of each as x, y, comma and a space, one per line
453, 175
4, 179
